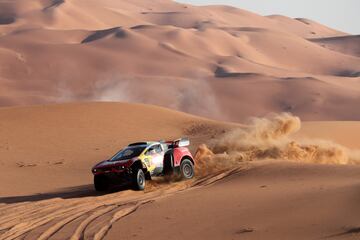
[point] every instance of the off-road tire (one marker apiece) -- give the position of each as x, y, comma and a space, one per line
138, 180
187, 169
101, 183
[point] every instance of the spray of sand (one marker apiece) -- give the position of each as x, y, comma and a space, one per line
269, 138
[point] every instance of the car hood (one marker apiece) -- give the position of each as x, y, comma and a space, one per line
108, 163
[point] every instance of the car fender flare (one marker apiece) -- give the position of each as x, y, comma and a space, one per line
138, 164
169, 153
187, 157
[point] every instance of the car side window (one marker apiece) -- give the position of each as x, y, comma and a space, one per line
150, 151
158, 148
154, 149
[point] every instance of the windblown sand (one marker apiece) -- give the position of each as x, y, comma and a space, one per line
272, 138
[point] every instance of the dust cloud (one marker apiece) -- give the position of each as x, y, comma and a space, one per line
270, 138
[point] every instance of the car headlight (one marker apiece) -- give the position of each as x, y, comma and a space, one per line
121, 167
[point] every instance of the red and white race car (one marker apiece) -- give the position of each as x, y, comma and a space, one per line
143, 160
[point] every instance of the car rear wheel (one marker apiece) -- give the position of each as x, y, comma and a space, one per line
101, 183
139, 180
187, 169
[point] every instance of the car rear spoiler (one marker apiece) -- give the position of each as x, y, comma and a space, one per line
181, 142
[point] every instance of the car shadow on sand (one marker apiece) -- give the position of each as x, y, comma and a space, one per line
66, 193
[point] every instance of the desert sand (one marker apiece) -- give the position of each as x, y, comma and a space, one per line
46, 193
222, 60
269, 103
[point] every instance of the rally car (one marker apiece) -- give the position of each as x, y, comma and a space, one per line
142, 160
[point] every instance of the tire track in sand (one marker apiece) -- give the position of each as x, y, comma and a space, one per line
22, 220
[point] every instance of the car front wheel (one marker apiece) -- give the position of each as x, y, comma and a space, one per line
139, 180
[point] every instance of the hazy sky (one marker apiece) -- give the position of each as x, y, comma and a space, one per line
339, 14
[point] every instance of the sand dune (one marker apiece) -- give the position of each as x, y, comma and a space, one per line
60, 142
53, 147
46, 190
76, 50
349, 45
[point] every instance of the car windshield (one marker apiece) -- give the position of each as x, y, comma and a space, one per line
128, 153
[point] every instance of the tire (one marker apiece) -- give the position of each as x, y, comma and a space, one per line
187, 169
101, 183
139, 180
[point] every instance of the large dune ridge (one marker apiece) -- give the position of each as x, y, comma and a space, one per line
46, 185
227, 62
